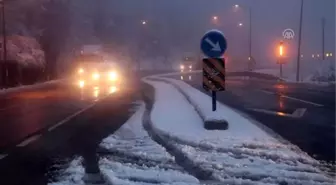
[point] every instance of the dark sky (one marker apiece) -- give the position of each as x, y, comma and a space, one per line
181, 23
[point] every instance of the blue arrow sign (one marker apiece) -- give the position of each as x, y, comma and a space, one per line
213, 44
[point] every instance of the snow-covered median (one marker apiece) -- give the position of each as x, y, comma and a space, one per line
243, 154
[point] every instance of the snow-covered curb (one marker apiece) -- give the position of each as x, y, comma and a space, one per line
243, 145
29, 87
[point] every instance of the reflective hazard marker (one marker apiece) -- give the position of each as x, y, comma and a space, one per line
214, 77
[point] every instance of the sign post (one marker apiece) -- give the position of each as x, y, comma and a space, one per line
280, 60
214, 45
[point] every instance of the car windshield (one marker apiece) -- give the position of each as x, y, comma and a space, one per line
167, 92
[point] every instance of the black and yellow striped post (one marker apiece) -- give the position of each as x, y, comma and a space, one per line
214, 77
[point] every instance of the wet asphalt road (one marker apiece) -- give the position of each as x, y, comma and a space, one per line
272, 104
42, 129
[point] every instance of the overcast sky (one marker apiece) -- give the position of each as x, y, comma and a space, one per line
182, 23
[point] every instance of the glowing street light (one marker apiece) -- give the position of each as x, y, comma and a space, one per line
281, 49
240, 24
144, 22
215, 18
313, 56
236, 6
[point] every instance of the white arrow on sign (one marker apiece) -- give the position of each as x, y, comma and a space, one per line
215, 47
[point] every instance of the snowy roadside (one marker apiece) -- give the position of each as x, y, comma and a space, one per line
131, 158
28, 87
243, 154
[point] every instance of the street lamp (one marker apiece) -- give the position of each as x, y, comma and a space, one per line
299, 44
240, 24
215, 18
250, 27
281, 54
144, 22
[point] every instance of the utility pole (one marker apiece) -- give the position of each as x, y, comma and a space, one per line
299, 45
250, 40
323, 37
4, 44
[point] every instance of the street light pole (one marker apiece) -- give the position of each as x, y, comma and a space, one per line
250, 39
323, 27
299, 46
4, 42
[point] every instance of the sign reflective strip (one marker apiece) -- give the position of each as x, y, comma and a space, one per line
215, 77
215, 83
213, 67
220, 68
221, 83
206, 82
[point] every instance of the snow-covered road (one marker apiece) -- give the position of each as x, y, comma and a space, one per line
245, 153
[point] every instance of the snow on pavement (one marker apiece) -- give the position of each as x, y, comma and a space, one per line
72, 175
243, 154
132, 140
134, 159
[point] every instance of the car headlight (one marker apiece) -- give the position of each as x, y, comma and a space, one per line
190, 67
96, 76
113, 76
80, 70
182, 66
81, 83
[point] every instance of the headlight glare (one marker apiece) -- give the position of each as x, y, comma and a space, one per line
96, 76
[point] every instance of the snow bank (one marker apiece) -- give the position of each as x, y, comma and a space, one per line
243, 154
192, 129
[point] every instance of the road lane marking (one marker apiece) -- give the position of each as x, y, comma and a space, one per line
298, 113
29, 140
2, 156
69, 118
304, 101
292, 98
267, 92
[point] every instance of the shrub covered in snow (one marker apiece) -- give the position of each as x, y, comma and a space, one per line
25, 50
324, 73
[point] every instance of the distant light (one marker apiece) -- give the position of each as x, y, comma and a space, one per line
236, 6
249, 58
327, 55
330, 54
215, 18
318, 55
144, 22
301, 56
240, 24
